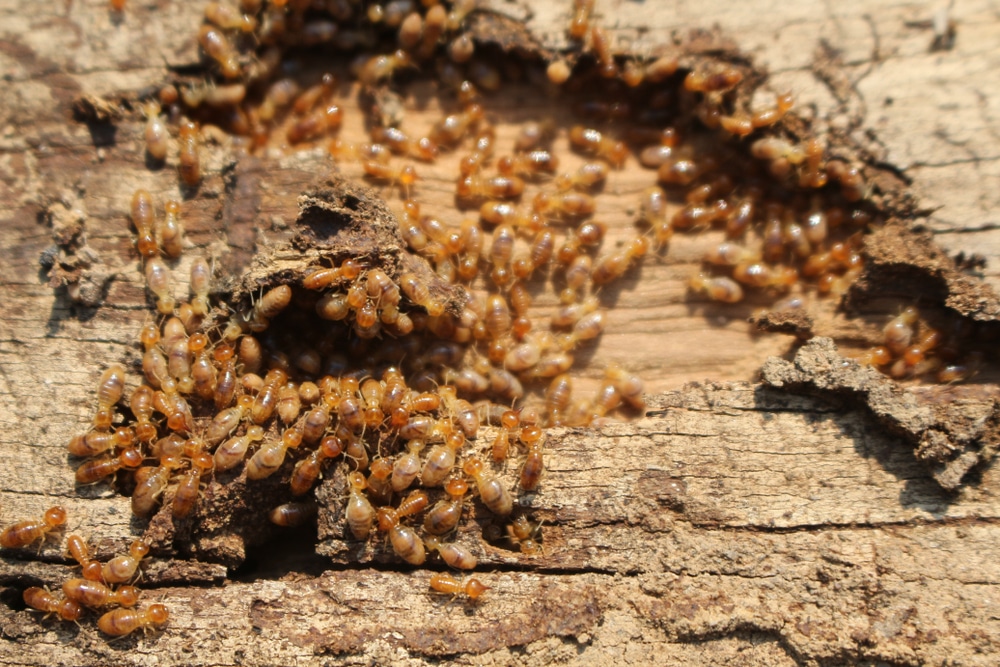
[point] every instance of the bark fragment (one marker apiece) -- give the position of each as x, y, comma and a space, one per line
952, 429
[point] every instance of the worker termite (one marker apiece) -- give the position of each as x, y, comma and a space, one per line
610, 267
445, 583
899, 332
23, 533
770, 116
379, 486
251, 354
474, 187
407, 466
528, 165
588, 176
852, 181
144, 218
217, 46
452, 554
43, 600
94, 470
717, 288
189, 160
359, 513
315, 123
481, 153
173, 406
569, 204
94, 594
593, 142
441, 459
417, 291
290, 515
271, 455
381, 67
728, 253
444, 516
410, 31
307, 470
179, 360
453, 128
121, 569
491, 491
289, 403
463, 412
109, 392
169, 231
91, 443
189, 486
201, 277
279, 95
78, 550
534, 135
232, 452
551, 365
558, 397
121, 622
531, 471
461, 49
917, 354
400, 143
507, 213
601, 46
269, 306
321, 278
345, 150
404, 177
404, 540
203, 373
407, 544
630, 387
226, 380
156, 134
952, 373
435, 22
147, 492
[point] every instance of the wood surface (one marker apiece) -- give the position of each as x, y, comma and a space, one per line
734, 525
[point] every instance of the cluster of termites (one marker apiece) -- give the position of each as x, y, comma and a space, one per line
102, 587
793, 213
358, 366
790, 217
261, 398
912, 348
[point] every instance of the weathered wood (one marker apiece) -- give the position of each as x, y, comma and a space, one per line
741, 516
742, 526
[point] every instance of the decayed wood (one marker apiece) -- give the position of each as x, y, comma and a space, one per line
742, 526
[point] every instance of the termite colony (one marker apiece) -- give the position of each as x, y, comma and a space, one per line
359, 366
106, 588
793, 211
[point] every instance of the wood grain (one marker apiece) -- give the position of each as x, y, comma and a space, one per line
741, 526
